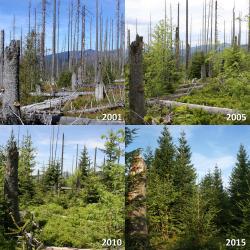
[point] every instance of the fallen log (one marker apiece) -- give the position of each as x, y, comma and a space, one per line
64, 248
209, 109
66, 120
96, 109
61, 94
48, 104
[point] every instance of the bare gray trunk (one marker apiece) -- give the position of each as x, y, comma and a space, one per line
1, 58
42, 45
11, 96
54, 45
136, 86
136, 227
11, 180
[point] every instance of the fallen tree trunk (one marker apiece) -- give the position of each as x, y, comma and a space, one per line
96, 109
48, 104
209, 109
61, 94
65, 120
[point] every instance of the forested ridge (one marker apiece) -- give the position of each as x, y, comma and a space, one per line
55, 207
182, 211
210, 69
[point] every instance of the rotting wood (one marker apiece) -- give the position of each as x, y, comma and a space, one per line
64, 120
136, 226
209, 109
136, 86
97, 109
11, 96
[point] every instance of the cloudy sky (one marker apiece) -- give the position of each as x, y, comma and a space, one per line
19, 8
210, 145
81, 135
142, 9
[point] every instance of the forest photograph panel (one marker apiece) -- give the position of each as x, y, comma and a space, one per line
62, 62
188, 62
62, 187
187, 187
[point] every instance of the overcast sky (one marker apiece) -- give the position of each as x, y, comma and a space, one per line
141, 10
19, 8
210, 145
81, 135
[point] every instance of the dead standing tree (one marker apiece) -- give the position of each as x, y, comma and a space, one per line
1, 58
11, 96
11, 179
136, 86
136, 222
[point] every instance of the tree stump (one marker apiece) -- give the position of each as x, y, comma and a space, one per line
11, 179
11, 96
1, 59
99, 85
136, 222
136, 86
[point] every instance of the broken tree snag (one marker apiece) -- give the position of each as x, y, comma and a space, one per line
11, 179
136, 86
136, 221
74, 81
1, 59
99, 85
11, 96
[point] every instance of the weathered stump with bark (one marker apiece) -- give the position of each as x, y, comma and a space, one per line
136, 221
1, 58
11, 180
99, 85
74, 81
136, 86
11, 96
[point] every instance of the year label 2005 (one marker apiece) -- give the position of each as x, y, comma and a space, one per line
236, 117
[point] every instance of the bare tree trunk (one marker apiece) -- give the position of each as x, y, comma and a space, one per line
239, 36
29, 15
99, 86
54, 45
136, 221
11, 179
136, 86
177, 39
58, 39
249, 27
118, 30
69, 37
187, 45
216, 26
1, 58
233, 36
62, 156
11, 97
42, 45
83, 62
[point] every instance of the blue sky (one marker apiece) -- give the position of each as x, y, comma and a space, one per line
81, 135
19, 8
210, 145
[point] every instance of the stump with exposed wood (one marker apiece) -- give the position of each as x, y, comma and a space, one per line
136, 86
136, 221
11, 179
11, 96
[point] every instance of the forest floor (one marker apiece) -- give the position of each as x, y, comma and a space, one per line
215, 93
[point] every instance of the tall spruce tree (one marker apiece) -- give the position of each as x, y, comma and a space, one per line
165, 155
239, 186
84, 163
26, 168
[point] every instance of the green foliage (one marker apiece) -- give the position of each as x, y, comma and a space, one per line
159, 63
108, 75
51, 177
25, 169
64, 79
198, 59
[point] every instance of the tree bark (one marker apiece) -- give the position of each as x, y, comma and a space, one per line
42, 46
11, 180
1, 58
136, 86
136, 221
11, 96
54, 45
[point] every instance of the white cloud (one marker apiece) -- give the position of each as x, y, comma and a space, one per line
204, 164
